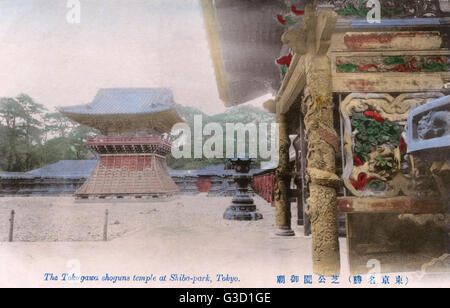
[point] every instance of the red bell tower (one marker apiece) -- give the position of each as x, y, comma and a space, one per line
132, 148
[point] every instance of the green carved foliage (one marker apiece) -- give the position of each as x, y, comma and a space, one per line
394, 60
436, 67
347, 68
371, 133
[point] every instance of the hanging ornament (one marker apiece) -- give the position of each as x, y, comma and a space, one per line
286, 60
281, 20
287, 20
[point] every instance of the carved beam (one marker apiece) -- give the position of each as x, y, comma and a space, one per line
326, 23
293, 87
396, 205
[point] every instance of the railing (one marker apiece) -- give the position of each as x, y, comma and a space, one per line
263, 185
135, 140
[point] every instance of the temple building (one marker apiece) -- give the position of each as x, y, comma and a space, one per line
344, 83
133, 144
64, 177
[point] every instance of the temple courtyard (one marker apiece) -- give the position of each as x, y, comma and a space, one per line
183, 240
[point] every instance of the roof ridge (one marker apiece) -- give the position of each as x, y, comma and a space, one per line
123, 100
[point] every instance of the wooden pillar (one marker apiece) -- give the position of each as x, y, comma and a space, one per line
304, 184
282, 181
321, 166
310, 70
298, 181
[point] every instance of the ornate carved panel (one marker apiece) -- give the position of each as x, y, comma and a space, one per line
376, 159
389, 8
393, 64
387, 41
390, 71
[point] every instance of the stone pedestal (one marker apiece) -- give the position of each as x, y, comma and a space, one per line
242, 207
284, 231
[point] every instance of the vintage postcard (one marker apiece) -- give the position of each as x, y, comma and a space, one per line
218, 144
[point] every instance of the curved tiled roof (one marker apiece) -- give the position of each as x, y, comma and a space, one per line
120, 110
126, 101
14, 175
59, 169
65, 168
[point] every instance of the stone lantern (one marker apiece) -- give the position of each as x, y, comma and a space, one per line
242, 207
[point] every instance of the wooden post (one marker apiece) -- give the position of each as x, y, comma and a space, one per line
304, 184
322, 147
298, 183
11, 226
105, 227
312, 72
282, 181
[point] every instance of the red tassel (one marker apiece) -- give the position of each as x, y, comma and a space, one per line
281, 20
286, 60
297, 12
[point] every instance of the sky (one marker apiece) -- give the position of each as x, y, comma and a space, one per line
117, 43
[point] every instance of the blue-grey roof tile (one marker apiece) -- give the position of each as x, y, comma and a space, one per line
66, 169
126, 101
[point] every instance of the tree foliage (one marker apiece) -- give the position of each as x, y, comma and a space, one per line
234, 115
31, 137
